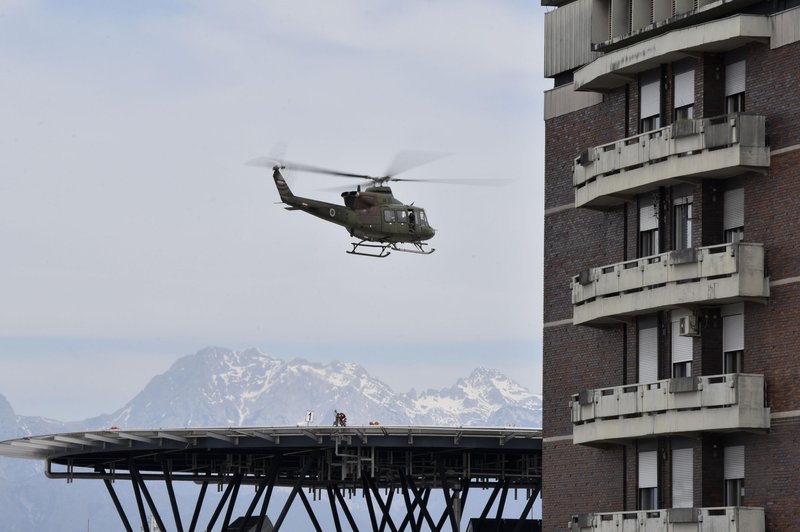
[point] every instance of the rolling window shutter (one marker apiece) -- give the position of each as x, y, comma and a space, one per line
648, 354
682, 489
733, 333
647, 218
648, 469
734, 462
649, 93
734, 77
681, 345
684, 84
733, 208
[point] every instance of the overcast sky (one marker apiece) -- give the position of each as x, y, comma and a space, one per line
132, 232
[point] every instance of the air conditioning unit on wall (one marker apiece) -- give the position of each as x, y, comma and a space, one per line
688, 326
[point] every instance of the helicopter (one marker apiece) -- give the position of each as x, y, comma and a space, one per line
379, 221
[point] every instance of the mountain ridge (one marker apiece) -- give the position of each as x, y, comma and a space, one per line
221, 387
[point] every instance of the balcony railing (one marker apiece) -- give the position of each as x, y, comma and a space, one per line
725, 519
718, 403
721, 274
719, 147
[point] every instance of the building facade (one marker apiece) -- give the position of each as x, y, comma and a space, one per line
672, 266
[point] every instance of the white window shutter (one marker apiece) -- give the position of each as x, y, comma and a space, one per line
648, 469
684, 84
647, 218
734, 77
733, 333
650, 93
682, 488
734, 462
648, 355
681, 345
733, 208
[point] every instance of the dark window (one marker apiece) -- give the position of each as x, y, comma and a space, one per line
734, 492
681, 369
734, 103
648, 498
734, 362
684, 113
648, 243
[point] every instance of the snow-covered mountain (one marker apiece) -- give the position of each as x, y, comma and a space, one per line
221, 387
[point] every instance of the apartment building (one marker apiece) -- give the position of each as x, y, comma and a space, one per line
672, 266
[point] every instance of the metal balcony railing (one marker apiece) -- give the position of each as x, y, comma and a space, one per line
718, 147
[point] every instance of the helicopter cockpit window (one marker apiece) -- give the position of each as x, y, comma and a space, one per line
389, 216
401, 216
421, 217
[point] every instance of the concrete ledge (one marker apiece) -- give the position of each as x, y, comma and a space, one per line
618, 67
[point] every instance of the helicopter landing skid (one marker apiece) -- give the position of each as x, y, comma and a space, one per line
384, 249
383, 253
418, 248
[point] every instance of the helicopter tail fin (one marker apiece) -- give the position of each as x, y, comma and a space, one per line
283, 189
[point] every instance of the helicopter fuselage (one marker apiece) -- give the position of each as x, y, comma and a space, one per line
374, 214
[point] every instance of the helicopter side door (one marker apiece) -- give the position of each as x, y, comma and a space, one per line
397, 221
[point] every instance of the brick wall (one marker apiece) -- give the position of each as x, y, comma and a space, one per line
580, 479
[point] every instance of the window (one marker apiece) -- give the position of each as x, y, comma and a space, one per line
648, 242
733, 211
682, 489
682, 222
684, 113
734, 83
683, 83
733, 338
734, 475
389, 216
734, 103
648, 478
682, 347
648, 348
402, 216
648, 226
734, 362
650, 100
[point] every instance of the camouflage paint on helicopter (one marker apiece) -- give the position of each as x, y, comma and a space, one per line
374, 215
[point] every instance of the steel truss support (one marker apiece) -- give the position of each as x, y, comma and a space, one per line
334, 490
117, 505
167, 468
416, 518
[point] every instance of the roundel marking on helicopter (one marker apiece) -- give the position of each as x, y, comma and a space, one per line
333, 212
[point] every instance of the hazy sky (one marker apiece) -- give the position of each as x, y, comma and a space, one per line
132, 232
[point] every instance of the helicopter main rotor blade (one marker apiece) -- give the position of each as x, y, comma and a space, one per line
479, 182
326, 171
270, 162
267, 162
407, 160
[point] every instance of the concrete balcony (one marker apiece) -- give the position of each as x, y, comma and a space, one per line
725, 519
616, 68
719, 403
720, 147
710, 275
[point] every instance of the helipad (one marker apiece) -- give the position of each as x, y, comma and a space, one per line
411, 461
